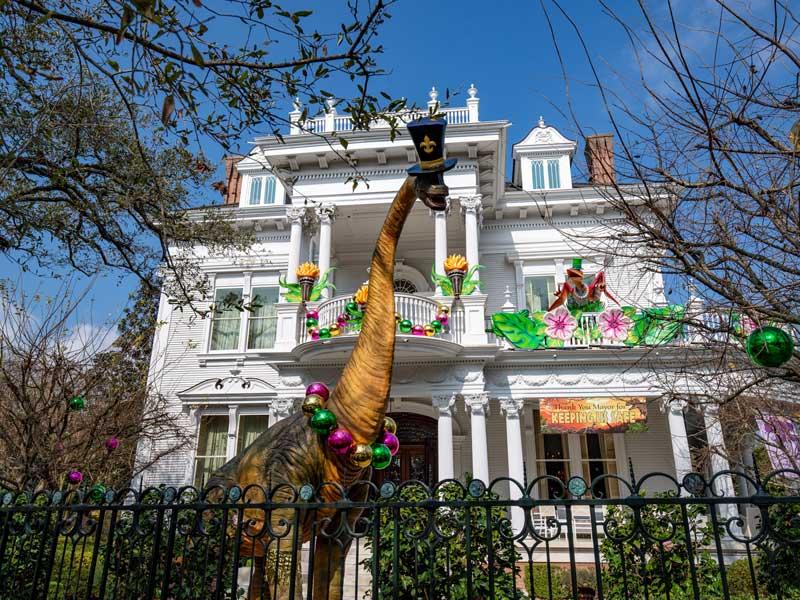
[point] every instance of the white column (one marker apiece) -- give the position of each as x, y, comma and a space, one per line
294, 117
530, 449
444, 438
440, 240
295, 216
574, 449
472, 208
723, 485
680, 442
280, 409
477, 404
233, 429
472, 103
512, 407
325, 213
520, 280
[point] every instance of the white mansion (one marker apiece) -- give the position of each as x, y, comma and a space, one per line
466, 400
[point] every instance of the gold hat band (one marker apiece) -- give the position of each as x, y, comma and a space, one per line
431, 164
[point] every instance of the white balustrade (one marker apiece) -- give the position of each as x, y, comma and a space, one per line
454, 116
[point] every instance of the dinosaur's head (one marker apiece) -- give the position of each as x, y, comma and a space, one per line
431, 189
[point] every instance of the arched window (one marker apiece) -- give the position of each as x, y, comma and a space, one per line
404, 286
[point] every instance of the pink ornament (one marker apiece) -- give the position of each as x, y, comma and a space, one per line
312, 314
319, 389
75, 477
112, 444
418, 330
391, 442
342, 320
442, 318
314, 333
340, 441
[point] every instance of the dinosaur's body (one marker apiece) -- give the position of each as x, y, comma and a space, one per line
291, 453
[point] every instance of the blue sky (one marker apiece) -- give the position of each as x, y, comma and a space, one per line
503, 47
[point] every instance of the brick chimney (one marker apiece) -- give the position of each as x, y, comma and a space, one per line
599, 154
233, 181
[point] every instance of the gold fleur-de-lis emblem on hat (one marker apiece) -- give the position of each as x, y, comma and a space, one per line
427, 145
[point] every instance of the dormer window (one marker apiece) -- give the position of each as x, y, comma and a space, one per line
542, 160
262, 190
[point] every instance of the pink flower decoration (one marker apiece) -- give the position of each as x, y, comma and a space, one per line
748, 325
614, 325
560, 323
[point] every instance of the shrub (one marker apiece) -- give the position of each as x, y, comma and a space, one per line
777, 554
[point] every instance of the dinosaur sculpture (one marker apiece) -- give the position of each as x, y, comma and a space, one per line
291, 453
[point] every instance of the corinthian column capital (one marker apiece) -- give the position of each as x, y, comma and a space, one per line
471, 203
326, 212
295, 213
477, 403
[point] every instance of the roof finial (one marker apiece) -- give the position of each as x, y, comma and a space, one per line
296, 103
433, 94
541, 121
331, 102
472, 91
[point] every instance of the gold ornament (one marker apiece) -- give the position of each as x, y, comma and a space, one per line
390, 425
312, 404
361, 456
397, 317
444, 310
429, 330
334, 330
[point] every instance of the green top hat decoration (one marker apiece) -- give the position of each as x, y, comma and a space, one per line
577, 268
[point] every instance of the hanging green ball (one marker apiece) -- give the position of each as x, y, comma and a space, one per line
381, 456
322, 421
77, 403
97, 492
352, 308
437, 326
769, 346
405, 325
324, 333
311, 322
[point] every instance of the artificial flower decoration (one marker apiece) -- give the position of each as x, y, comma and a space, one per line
309, 286
560, 323
614, 325
362, 295
307, 269
455, 262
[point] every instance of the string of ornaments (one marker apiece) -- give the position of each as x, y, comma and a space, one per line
75, 476
340, 441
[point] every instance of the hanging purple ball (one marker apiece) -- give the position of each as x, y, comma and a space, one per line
417, 330
312, 314
112, 444
342, 320
390, 441
318, 388
75, 477
314, 333
340, 441
442, 318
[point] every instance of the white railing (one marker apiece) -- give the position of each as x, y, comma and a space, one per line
330, 123
417, 309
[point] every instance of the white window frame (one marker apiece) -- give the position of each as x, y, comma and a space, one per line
213, 412
278, 194
564, 176
210, 327
249, 317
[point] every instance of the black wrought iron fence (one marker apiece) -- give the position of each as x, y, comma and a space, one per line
457, 540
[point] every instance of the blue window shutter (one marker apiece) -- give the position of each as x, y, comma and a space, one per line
255, 190
553, 174
538, 174
269, 193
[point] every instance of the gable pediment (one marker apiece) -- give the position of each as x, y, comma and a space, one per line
543, 138
225, 389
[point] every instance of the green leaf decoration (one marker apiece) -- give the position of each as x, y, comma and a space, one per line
316, 291
554, 343
293, 292
656, 326
470, 284
518, 329
442, 282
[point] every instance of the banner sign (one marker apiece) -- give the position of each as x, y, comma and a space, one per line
593, 415
781, 441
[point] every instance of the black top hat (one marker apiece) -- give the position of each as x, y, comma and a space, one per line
428, 137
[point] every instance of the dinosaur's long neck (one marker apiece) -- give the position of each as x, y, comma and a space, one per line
359, 399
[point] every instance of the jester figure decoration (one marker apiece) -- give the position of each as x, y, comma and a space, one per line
577, 295
291, 455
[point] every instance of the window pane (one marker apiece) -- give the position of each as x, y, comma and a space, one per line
255, 190
250, 427
211, 447
538, 174
539, 292
263, 320
553, 175
269, 191
226, 319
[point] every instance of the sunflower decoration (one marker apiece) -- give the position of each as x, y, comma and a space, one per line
309, 285
361, 295
460, 277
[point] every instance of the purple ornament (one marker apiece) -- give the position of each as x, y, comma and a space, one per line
112, 444
391, 442
312, 314
442, 318
342, 320
319, 389
314, 333
75, 477
340, 441
418, 330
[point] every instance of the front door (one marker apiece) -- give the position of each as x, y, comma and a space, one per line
416, 459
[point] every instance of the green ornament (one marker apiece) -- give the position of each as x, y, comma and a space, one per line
310, 322
97, 492
381, 456
405, 325
322, 421
77, 403
352, 308
324, 333
437, 326
769, 346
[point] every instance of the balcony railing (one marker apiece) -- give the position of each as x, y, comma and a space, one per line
333, 122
